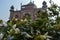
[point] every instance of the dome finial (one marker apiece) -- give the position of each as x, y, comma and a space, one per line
12, 7
44, 3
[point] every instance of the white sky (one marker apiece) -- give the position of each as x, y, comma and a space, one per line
39, 2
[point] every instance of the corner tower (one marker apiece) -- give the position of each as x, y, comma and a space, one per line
11, 12
44, 5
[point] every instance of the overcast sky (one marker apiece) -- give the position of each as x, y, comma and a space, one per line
5, 6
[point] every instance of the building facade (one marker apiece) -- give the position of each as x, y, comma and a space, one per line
29, 10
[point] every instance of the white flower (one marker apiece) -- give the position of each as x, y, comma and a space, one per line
16, 19
49, 36
46, 35
5, 24
14, 26
1, 36
11, 30
8, 32
17, 30
22, 20
47, 39
25, 20
26, 35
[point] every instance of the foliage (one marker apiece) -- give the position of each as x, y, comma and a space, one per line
43, 28
1, 21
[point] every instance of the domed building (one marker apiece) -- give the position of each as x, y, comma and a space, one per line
29, 10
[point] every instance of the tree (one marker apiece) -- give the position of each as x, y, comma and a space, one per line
46, 25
